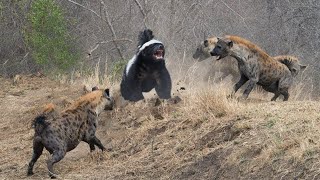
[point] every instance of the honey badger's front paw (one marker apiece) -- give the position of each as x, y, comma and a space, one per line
30, 173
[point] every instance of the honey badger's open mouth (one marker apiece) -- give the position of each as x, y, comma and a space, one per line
158, 54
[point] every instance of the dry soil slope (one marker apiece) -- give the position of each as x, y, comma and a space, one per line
254, 140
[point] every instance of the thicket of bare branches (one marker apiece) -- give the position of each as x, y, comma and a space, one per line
107, 31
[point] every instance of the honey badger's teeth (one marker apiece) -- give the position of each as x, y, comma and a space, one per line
158, 54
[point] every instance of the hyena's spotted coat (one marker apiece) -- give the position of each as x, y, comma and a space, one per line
255, 66
203, 52
60, 133
292, 63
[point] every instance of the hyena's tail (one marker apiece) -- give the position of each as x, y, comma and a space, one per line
40, 124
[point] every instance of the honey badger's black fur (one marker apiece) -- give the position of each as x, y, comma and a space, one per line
146, 70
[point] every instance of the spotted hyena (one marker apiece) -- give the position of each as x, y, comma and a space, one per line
221, 70
203, 52
62, 132
255, 66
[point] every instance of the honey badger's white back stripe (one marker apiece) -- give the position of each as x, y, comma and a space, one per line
152, 41
133, 59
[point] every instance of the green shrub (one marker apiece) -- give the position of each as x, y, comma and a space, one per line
117, 69
47, 36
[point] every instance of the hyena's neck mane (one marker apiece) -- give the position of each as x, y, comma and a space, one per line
90, 101
247, 47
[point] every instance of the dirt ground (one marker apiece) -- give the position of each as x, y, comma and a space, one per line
253, 139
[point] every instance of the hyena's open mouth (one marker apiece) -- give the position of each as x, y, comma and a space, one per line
158, 54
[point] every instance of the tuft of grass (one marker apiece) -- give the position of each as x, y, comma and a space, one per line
270, 123
209, 101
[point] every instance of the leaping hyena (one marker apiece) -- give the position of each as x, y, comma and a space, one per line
255, 66
203, 52
64, 131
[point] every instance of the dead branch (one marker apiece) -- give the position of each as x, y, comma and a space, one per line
142, 12
111, 29
95, 13
106, 42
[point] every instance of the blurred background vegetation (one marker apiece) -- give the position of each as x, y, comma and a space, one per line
78, 35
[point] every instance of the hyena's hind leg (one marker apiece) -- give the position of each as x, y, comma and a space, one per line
285, 94
273, 88
37, 151
284, 85
276, 95
57, 155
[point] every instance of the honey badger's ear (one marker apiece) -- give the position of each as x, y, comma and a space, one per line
106, 93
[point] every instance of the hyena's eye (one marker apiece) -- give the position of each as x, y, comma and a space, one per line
206, 43
106, 93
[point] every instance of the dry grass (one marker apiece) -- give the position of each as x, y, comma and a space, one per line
205, 136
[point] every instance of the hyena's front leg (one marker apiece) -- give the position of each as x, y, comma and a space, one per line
91, 138
243, 79
91, 144
252, 83
98, 143
94, 141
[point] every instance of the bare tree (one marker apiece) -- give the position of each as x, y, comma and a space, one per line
108, 29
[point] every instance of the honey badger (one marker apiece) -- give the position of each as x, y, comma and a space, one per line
146, 70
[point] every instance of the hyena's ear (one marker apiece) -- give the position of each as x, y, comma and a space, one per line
107, 93
303, 67
95, 88
206, 43
229, 43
